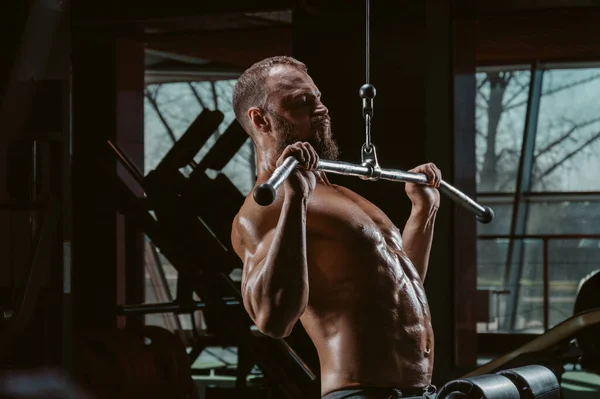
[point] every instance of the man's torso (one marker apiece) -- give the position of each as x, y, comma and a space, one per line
367, 312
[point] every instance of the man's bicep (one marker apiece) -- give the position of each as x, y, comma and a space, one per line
254, 257
251, 245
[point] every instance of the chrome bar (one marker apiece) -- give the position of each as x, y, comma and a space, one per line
465, 201
399, 175
265, 193
343, 168
349, 169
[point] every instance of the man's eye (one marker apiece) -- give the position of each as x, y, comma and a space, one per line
304, 99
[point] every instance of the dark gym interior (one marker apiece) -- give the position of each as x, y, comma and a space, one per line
123, 167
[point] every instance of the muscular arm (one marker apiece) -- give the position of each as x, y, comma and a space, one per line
418, 237
418, 232
275, 280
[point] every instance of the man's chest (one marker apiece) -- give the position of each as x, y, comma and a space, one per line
352, 247
340, 215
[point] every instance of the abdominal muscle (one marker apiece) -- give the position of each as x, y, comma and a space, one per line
370, 343
367, 313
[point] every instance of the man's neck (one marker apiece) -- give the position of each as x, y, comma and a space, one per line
265, 162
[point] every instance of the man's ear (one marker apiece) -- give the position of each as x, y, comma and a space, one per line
258, 120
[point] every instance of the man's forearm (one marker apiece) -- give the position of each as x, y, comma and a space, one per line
280, 286
418, 237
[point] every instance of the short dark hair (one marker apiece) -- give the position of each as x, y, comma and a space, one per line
251, 88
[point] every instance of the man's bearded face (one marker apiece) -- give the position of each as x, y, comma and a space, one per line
321, 137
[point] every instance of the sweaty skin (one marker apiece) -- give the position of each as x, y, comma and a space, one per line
326, 256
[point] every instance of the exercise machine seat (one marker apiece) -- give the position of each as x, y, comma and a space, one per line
588, 297
534, 382
486, 386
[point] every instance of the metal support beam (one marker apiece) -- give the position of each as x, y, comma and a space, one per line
170, 307
37, 276
177, 231
30, 65
462, 156
240, 48
114, 11
108, 104
514, 258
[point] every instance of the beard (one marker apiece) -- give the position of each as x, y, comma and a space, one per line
321, 138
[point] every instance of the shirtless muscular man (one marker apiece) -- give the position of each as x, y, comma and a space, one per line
326, 256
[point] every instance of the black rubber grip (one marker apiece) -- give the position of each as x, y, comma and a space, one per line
265, 193
487, 216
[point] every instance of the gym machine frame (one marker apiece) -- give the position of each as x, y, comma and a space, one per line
176, 229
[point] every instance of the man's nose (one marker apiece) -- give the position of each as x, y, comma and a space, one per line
320, 109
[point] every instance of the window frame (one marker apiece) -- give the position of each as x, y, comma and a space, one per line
492, 343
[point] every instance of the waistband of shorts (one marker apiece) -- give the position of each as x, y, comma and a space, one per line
373, 390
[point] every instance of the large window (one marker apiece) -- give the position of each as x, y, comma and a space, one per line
538, 166
170, 109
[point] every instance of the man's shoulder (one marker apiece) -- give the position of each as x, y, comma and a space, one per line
340, 189
245, 218
255, 220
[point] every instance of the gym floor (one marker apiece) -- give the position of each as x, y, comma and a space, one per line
579, 384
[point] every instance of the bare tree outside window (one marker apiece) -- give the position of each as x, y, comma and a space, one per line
566, 164
169, 110
567, 137
567, 155
500, 119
